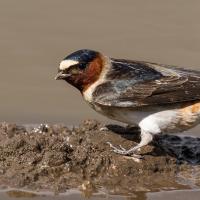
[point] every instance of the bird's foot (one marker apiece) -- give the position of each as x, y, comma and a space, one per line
122, 151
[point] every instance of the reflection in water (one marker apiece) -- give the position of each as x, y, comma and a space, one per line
21, 194
138, 196
88, 189
69, 195
76, 195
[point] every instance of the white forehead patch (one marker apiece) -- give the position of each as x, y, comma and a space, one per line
67, 63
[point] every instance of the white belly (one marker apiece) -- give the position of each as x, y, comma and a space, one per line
125, 115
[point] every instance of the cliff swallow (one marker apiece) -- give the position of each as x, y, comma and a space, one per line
158, 98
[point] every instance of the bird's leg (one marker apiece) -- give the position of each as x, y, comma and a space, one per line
146, 138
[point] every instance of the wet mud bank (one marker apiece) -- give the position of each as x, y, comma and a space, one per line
57, 158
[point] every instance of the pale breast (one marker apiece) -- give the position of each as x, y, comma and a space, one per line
126, 115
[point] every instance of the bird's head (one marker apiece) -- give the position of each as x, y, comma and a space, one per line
81, 68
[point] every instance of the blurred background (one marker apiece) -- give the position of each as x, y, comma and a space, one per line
36, 35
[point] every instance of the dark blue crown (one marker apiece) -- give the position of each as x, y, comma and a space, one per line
82, 56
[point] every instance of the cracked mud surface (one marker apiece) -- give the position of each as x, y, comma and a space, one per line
57, 158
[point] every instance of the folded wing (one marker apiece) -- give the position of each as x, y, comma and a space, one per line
133, 84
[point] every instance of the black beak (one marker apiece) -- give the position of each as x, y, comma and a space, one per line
61, 75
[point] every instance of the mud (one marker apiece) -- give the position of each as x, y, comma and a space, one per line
57, 158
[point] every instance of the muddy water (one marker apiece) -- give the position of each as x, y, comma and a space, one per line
35, 36
76, 195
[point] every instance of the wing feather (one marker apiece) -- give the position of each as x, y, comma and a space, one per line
134, 83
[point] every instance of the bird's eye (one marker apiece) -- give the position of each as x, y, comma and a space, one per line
82, 65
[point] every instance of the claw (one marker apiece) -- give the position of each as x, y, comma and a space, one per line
123, 151
115, 148
111, 145
122, 148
